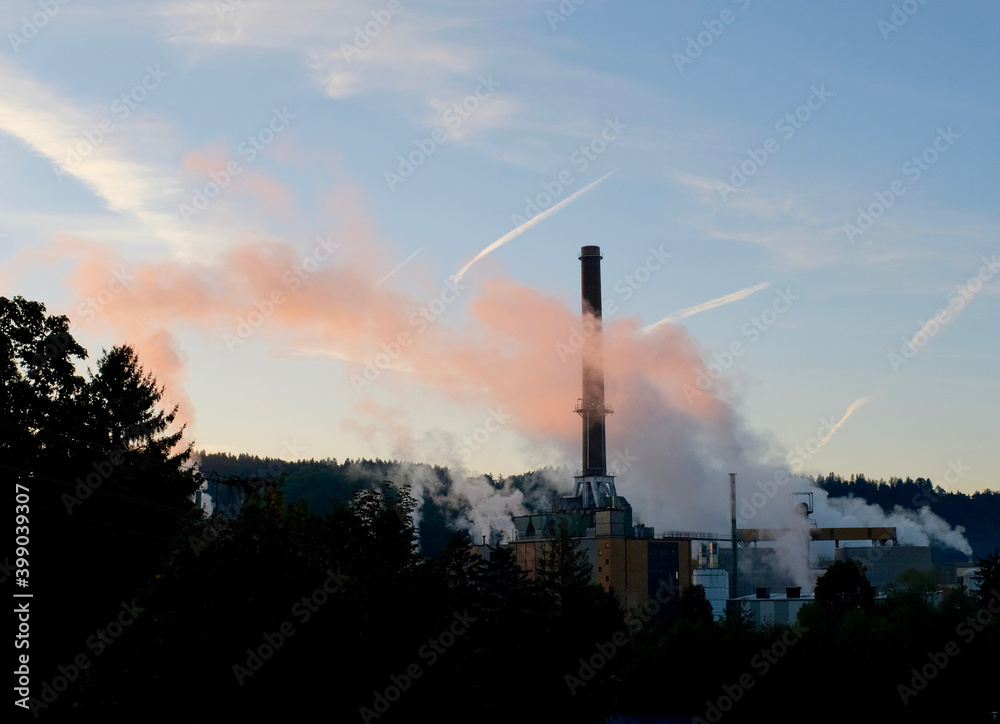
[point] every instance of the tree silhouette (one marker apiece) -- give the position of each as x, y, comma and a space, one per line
39, 400
106, 482
694, 605
563, 569
988, 577
844, 587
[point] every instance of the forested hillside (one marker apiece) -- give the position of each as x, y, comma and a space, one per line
322, 482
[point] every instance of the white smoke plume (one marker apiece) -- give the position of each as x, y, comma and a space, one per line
792, 552
919, 528
477, 505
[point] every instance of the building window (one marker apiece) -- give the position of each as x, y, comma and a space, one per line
606, 578
598, 569
607, 562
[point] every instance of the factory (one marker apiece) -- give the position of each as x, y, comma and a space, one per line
629, 559
623, 556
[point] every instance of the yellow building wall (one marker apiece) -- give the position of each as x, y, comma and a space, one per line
685, 565
619, 563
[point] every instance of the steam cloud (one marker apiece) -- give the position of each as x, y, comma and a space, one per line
499, 350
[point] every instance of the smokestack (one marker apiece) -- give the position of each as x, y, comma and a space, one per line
591, 406
594, 487
733, 582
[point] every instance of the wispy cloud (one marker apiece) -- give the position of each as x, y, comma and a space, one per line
705, 306
51, 127
527, 225
408, 52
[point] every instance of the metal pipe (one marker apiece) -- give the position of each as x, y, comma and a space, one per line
733, 589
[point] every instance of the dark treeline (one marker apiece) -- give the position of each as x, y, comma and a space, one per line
144, 609
323, 483
103, 484
286, 612
847, 657
320, 483
289, 613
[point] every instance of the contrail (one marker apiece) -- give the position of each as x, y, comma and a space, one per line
399, 267
850, 411
525, 226
705, 306
933, 325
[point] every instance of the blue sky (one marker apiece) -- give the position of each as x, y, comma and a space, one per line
828, 112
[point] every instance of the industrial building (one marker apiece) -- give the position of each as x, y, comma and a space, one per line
624, 557
767, 609
885, 565
630, 560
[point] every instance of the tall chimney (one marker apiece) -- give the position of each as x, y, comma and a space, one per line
592, 408
734, 589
